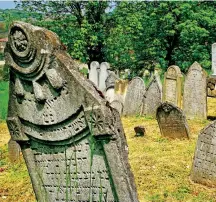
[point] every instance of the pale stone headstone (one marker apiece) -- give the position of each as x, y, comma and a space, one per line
214, 59
14, 151
204, 167
195, 93
104, 73
111, 79
72, 141
172, 121
116, 104
110, 94
172, 87
93, 73
134, 97
152, 97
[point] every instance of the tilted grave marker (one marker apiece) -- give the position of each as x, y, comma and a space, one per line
134, 97
204, 164
103, 74
93, 73
73, 143
195, 93
172, 85
172, 121
152, 97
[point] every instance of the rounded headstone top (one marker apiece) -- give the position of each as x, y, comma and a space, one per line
94, 65
173, 70
105, 65
195, 66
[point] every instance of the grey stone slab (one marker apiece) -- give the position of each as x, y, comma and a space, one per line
172, 121
104, 73
110, 94
72, 141
214, 59
152, 97
116, 104
195, 93
93, 73
204, 168
134, 97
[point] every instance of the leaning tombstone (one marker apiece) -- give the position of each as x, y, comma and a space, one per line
172, 121
104, 73
204, 169
152, 97
14, 151
134, 97
172, 87
73, 143
195, 93
93, 73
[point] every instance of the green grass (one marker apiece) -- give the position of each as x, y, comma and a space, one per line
3, 99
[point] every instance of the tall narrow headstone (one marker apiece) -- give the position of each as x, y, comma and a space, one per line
172, 121
134, 97
104, 73
93, 73
214, 59
172, 85
204, 166
195, 95
152, 97
73, 143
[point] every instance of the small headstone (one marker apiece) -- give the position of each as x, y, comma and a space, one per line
195, 93
116, 104
172, 121
110, 94
111, 79
134, 97
214, 59
14, 151
152, 97
139, 130
172, 87
72, 141
104, 73
204, 167
93, 73
121, 88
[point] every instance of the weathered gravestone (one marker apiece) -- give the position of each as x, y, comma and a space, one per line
104, 73
93, 73
121, 88
172, 85
110, 94
172, 121
204, 162
195, 95
152, 97
73, 143
116, 104
14, 151
134, 97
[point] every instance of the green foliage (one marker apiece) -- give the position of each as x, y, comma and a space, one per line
4, 99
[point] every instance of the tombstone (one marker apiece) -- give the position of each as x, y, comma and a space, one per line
104, 67
195, 95
13, 151
214, 59
121, 88
204, 168
172, 121
152, 97
172, 87
93, 73
116, 104
73, 143
110, 94
111, 79
134, 97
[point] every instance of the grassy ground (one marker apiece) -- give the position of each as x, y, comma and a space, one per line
161, 167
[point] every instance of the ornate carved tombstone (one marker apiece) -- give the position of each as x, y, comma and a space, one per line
172, 121
134, 97
204, 167
195, 95
73, 143
172, 85
152, 97
93, 73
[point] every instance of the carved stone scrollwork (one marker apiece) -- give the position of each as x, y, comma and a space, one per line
15, 129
